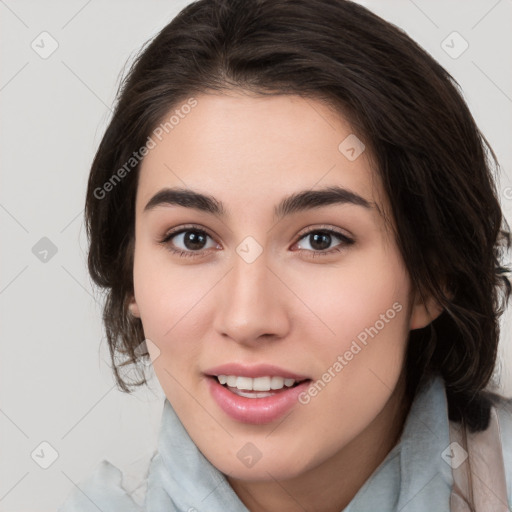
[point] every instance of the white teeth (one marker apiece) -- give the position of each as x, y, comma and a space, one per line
257, 384
251, 394
261, 384
243, 383
276, 382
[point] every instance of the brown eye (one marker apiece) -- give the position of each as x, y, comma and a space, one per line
188, 241
321, 241
194, 240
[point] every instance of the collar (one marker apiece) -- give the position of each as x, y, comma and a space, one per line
414, 476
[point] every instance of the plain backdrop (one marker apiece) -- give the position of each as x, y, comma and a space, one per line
56, 384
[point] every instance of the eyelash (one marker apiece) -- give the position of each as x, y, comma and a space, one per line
345, 241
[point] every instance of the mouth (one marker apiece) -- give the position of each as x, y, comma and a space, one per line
259, 387
256, 395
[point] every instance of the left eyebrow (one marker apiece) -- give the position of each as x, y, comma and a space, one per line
299, 201
310, 199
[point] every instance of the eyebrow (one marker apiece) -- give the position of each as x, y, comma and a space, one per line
297, 202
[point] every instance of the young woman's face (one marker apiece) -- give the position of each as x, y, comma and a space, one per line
270, 276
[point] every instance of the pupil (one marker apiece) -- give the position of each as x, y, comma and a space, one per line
194, 240
320, 241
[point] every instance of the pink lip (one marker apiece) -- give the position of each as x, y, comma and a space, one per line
255, 410
259, 370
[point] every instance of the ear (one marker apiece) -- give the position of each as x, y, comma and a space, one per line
133, 307
424, 312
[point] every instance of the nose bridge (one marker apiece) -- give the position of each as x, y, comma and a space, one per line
250, 280
250, 304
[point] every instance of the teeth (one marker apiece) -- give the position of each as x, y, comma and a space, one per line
252, 394
276, 383
243, 383
257, 384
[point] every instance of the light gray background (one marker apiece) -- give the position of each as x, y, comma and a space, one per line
56, 385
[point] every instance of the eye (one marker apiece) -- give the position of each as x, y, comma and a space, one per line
191, 241
188, 242
319, 242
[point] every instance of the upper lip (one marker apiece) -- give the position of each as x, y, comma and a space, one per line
253, 371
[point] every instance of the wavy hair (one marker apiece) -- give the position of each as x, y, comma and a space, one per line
436, 166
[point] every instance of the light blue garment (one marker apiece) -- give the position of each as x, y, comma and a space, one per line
412, 478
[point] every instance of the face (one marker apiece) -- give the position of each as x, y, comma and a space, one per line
284, 276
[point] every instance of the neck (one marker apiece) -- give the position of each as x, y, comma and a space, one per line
331, 486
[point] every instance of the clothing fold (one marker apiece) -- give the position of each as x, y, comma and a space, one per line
414, 476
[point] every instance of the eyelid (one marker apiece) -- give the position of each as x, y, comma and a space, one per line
186, 227
323, 227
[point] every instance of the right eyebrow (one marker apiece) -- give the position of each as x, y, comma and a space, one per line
187, 199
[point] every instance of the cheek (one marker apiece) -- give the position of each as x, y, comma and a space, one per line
163, 290
366, 293
164, 294
366, 305
169, 298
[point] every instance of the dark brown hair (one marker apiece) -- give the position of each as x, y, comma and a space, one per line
435, 165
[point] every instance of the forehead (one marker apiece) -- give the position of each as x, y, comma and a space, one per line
239, 147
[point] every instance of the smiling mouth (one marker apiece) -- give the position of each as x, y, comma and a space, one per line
259, 387
257, 400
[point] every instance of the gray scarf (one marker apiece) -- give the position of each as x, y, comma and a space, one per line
412, 478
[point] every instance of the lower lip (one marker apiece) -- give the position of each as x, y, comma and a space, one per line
255, 410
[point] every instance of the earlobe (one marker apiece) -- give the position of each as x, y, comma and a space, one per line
133, 307
423, 313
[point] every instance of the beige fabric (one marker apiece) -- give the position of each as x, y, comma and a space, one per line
482, 457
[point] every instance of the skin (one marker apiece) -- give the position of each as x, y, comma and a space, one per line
287, 308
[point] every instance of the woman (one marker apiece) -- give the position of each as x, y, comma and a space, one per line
294, 216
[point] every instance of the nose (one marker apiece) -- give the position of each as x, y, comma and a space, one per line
251, 303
